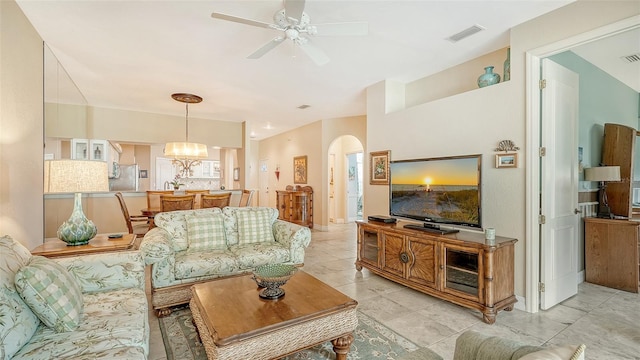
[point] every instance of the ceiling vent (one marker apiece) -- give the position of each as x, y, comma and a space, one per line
465, 33
302, 107
631, 58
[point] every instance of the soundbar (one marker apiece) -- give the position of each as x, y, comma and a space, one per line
431, 229
382, 218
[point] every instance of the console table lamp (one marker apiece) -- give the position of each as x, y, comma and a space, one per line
603, 174
77, 176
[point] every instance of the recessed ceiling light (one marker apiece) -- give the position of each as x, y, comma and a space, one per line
304, 106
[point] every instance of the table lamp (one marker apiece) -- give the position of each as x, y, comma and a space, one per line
77, 176
603, 174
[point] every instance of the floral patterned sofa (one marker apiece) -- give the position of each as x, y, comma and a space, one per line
81, 307
191, 246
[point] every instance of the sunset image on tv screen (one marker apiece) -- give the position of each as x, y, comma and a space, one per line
442, 190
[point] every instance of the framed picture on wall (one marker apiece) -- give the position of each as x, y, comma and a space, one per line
379, 167
508, 160
236, 174
300, 169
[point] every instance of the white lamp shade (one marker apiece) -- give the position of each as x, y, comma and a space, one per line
75, 176
602, 173
186, 150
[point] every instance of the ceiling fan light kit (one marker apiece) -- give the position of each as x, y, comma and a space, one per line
295, 24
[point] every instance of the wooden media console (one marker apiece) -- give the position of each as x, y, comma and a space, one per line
460, 268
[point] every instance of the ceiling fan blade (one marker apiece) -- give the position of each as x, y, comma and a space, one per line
293, 9
261, 24
342, 29
314, 53
266, 48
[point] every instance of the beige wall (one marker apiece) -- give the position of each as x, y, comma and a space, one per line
475, 121
337, 192
282, 148
141, 127
21, 128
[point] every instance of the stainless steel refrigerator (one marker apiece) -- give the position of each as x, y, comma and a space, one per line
125, 178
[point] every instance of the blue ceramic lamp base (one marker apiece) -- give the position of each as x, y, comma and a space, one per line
77, 230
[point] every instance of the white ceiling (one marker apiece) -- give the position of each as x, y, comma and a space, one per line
134, 54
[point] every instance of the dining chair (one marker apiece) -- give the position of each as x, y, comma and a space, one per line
245, 198
176, 202
214, 200
198, 194
138, 229
153, 198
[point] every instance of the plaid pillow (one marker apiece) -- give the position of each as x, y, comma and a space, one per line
205, 232
254, 226
51, 293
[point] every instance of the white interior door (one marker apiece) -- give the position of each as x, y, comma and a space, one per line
559, 185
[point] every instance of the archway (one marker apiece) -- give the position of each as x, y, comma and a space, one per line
345, 176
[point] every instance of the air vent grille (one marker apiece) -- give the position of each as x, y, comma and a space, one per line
465, 33
302, 107
631, 58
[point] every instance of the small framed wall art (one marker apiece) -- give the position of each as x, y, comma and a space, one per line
507, 160
300, 169
379, 167
236, 174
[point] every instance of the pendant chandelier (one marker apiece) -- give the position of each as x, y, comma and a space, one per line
186, 154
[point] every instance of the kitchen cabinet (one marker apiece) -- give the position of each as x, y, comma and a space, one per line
90, 149
460, 268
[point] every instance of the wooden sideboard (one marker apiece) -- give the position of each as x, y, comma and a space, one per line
460, 268
611, 253
295, 204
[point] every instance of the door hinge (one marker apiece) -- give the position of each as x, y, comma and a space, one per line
541, 287
543, 84
542, 219
542, 151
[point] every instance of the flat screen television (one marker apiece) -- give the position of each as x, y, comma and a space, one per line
443, 190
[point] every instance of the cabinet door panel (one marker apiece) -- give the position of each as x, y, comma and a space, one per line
462, 270
423, 268
393, 248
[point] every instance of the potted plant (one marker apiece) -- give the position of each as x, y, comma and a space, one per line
176, 183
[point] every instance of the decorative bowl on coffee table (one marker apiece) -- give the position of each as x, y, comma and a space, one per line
271, 277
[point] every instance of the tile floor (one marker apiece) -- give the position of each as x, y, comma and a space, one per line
606, 320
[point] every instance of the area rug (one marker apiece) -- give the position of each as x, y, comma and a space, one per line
372, 340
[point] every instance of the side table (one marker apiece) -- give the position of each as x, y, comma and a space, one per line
54, 247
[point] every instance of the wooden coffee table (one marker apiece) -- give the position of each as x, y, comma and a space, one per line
235, 323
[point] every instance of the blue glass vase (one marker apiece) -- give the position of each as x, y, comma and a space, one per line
488, 78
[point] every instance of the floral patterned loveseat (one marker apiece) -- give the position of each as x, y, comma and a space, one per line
190, 246
80, 307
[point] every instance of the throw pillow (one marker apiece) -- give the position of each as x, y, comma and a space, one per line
205, 231
566, 352
254, 226
51, 293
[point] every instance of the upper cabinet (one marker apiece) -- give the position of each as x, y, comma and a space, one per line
92, 149
208, 169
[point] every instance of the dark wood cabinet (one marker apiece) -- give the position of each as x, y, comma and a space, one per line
459, 267
296, 205
611, 253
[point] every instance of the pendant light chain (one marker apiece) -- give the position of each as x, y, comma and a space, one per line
187, 121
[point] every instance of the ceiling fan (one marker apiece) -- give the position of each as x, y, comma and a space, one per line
295, 25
